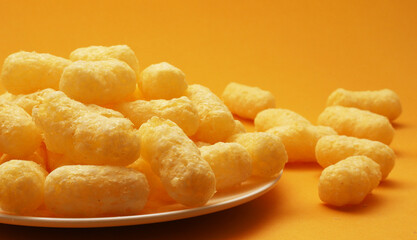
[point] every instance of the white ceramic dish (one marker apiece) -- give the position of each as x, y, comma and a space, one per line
251, 189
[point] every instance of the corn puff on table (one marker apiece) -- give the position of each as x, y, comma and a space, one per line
300, 51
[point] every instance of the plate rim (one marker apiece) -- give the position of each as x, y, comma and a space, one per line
56, 222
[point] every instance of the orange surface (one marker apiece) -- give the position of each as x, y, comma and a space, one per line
299, 50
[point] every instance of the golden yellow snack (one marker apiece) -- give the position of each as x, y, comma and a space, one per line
187, 178
200, 144
348, 181
300, 140
384, 102
56, 160
7, 97
246, 101
21, 186
216, 121
99, 82
106, 112
230, 162
275, 117
85, 135
136, 95
28, 72
96, 53
39, 157
157, 191
179, 110
162, 81
29, 101
266, 150
332, 149
19, 136
239, 128
95, 191
357, 123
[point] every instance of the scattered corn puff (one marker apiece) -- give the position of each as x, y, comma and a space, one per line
357, 123
185, 175
276, 117
28, 72
162, 81
300, 140
230, 162
179, 110
84, 135
332, 149
96, 53
95, 191
246, 101
216, 121
21, 186
384, 102
266, 150
349, 181
29, 101
99, 82
19, 136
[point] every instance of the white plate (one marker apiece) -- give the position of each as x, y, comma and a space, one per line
251, 189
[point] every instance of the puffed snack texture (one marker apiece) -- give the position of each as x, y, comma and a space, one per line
27, 72
239, 128
95, 191
186, 176
56, 160
19, 136
246, 101
200, 144
98, 82
384, 102
267, 152
162, 81
21, 186
300, 140
357, 123
275, 117
349, 181
7, 97
230, 162
86, 135
29, 101
96, 53
216, 120
39, 156
332, 149
157, 192
179, 110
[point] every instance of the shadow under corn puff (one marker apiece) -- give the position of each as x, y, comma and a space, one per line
397, 125
369, 204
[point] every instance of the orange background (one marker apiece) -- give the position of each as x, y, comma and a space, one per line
299, 50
